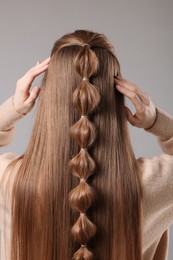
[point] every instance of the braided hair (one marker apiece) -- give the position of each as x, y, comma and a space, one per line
42, 187
86, 99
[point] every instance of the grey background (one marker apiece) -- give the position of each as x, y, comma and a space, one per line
141, 32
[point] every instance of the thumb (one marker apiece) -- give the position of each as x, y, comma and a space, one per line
130, 116
33, 94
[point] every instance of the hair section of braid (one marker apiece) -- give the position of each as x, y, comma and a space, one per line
86, 99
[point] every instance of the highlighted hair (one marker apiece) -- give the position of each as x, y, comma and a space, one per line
77, 190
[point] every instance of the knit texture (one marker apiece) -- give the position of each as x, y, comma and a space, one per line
157, 183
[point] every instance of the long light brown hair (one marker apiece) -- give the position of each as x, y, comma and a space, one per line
77, 192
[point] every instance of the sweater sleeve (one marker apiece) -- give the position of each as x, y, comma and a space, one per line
8, 118
163, 129
157, 181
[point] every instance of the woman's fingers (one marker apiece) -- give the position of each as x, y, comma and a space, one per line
145, 109
23, 99
131, 86
26, 81
131, 118
139, 105
33, 94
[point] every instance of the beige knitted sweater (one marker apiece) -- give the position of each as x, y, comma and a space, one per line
157, 177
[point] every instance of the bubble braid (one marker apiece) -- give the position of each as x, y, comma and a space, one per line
84, 133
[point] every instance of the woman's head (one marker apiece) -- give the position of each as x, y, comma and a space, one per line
79, 107
78, 56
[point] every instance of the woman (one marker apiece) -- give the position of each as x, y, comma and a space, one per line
78, 192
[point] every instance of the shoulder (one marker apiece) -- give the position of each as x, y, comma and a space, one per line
157, 166
157, 187
157, 180
157, 184
157, 172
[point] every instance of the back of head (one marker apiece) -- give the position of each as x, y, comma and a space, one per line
77, 194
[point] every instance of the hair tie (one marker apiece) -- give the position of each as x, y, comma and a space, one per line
82, 180
86, 44
83, 245
85, 78
82, 116
83, 149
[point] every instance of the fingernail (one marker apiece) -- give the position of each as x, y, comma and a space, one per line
47, 59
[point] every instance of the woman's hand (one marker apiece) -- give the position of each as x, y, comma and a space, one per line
146, 113
23, 100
